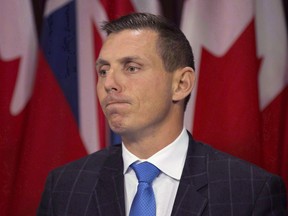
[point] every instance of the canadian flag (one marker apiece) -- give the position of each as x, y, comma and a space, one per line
240, 103
18, 59
49, 114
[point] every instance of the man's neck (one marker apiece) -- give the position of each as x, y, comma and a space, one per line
148, 144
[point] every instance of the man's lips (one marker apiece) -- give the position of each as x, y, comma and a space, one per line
115, 103
113, 100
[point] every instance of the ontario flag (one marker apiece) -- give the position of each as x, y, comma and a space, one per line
49, 113
240, 103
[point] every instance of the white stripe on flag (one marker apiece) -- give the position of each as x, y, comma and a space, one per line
18, 40
272, 47
88, 11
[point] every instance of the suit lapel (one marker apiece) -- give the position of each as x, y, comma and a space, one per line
192, 192
109, 192
191, 198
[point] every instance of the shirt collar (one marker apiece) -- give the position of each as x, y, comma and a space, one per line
170, 160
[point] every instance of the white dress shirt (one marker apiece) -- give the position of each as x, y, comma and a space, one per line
170, 160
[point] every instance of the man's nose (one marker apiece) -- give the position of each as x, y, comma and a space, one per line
112, 82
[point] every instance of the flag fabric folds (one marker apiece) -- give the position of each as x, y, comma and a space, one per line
240, 104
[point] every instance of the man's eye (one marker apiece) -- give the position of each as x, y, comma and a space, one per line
102, 73
132, 69
102, 70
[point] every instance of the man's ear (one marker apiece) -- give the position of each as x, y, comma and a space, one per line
183, 83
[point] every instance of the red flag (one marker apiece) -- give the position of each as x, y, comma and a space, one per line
240, 101
48, 106
18, 46
232, 117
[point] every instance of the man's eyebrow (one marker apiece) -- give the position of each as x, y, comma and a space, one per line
101, 62
129, 59
123, 60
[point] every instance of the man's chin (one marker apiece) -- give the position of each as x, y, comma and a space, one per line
117, 128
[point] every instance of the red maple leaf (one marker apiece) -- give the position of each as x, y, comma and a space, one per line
227, 106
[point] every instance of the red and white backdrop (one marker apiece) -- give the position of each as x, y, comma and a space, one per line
49, 114
240, 103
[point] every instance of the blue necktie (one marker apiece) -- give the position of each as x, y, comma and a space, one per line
144, 201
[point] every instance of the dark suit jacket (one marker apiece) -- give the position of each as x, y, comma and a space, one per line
213, 183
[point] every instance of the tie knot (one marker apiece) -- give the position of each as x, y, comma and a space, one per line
145, 172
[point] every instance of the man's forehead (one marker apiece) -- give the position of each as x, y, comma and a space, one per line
129, 45
129, 40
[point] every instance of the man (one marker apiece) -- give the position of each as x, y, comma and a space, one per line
145, 77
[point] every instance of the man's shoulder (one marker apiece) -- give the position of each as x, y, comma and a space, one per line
221, 164
90, 163
230, 177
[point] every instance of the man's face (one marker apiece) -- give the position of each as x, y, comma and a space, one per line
134, 89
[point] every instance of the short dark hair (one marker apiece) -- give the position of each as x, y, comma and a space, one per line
173, 46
